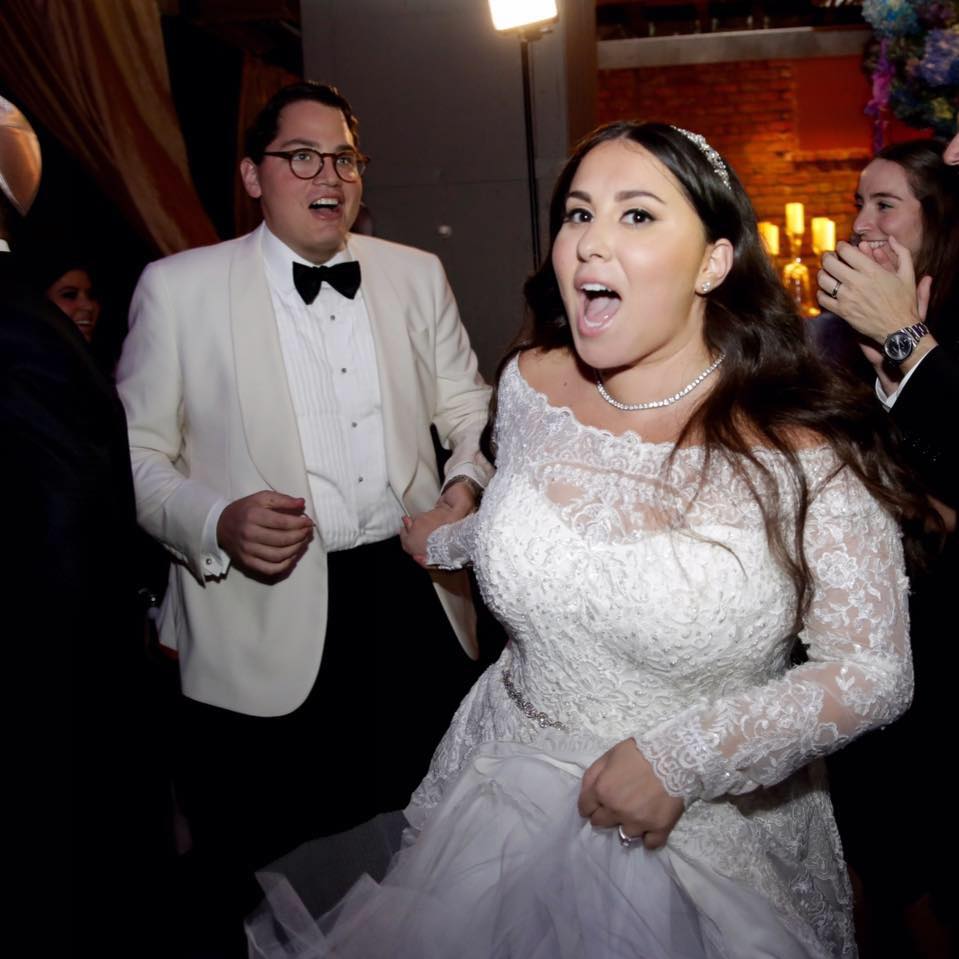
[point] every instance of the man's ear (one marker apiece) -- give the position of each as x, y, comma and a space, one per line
717, 263
251, 178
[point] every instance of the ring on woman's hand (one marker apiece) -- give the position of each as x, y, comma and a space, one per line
627, 841
835, 289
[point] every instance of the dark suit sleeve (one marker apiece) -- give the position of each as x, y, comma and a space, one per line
67, 481
85, 758
925, 412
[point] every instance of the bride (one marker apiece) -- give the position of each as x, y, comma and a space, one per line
692, 541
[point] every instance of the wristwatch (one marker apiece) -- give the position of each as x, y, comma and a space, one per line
898, 346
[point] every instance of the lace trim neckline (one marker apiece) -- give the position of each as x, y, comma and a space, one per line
629, 437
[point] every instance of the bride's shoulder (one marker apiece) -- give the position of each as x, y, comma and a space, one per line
812, 451
802, 440
537, 362
796, 439
546, 371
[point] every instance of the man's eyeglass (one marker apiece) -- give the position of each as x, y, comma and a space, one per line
307, 163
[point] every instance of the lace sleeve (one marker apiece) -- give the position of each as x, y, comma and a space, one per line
451, 546
858, 674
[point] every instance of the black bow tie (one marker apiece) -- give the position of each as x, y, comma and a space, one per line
344, 277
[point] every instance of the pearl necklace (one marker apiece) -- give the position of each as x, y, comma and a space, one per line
655, 404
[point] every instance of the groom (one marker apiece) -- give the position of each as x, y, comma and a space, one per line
280, 390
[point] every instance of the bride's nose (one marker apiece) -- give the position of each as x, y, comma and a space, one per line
594, 242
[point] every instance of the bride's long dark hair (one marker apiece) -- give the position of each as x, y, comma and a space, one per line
771, 390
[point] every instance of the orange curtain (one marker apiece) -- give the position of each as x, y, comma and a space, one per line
94, 73
260, 82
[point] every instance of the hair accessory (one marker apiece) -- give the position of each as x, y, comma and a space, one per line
656, 404
715, 160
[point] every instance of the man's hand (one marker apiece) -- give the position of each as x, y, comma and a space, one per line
457, 501
265, 532
621, 789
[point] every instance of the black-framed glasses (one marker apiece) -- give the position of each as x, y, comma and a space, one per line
307, 163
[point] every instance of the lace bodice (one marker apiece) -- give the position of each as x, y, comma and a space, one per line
647, 604
627, 618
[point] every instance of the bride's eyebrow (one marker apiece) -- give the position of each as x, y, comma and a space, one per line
620, 197
634, 194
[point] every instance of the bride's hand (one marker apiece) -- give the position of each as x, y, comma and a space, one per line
456, 501
621, 789
417, 529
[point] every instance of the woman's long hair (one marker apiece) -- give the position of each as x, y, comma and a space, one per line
935, 185
771, 388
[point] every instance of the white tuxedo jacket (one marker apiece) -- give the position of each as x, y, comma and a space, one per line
210, 416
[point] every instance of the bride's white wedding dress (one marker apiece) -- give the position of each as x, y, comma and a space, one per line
647, 605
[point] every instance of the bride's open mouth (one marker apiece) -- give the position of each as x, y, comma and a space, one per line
598, 305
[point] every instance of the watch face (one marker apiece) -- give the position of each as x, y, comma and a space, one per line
898, 346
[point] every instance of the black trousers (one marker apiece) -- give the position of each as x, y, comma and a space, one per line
391, 677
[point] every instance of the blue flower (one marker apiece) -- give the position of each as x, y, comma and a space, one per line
939, 66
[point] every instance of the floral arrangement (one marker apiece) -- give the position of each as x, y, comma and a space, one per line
914, 64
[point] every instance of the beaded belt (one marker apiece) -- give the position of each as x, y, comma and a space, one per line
528, 708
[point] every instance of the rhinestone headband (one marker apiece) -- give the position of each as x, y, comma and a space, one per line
715, 160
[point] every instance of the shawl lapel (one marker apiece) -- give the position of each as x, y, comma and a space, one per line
264, 394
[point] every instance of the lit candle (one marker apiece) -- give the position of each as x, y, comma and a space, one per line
770, 234
823, 234
794, 219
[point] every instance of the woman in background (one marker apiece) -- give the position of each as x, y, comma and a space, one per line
907, 227
72, 290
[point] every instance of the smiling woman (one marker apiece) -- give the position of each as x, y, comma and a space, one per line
909, 207
66, 281
887, 206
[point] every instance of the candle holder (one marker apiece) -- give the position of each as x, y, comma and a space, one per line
796, 277
795, 272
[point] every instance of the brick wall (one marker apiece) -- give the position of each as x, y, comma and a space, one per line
754, 113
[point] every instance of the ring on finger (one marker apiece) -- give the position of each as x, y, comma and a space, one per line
835, 289
627, 841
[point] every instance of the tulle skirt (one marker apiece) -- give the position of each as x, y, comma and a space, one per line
505, 868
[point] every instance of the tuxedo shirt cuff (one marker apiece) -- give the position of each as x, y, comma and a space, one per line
215, 560
466, 471
889, 400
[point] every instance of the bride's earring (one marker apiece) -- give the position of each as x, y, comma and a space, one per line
707, 286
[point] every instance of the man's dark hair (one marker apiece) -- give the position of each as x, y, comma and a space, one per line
264, 127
